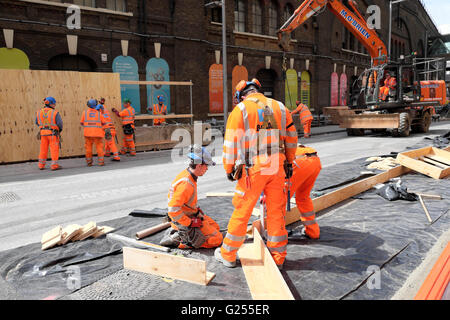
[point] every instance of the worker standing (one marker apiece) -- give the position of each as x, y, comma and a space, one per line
110, 132
306, 118
307, 167
159, 109
190, 227
258, 151
127, 115
92, 122
389, 84
50, 126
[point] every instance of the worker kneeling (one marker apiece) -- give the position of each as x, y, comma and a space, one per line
191, 228
306, 167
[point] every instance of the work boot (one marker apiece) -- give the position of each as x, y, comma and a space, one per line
218, 256
115, 159
89, 164
171, 238
101, 164
58, 167
41, 168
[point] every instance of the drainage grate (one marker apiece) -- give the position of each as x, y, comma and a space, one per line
8, 197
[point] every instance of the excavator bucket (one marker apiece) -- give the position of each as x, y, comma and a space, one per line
283, 40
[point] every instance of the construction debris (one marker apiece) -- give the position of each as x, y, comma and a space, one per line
382, 163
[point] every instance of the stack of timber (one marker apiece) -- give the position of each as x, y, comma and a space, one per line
73, 232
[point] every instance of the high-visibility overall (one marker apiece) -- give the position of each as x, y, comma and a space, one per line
159, 110
182, 205
110, 144
92, 122
46, 120
306, 169
127, 115
306, 119
389, 84
260, 133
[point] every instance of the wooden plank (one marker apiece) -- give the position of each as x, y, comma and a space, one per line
166, 265
70, 232
263, 277
425, 209
408, 159
442, 153
51, 238
102, 231
432, 162
442, 160
168, 116
86, 231
332, 198
164, 83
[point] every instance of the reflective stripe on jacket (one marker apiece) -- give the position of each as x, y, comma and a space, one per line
304, 113
182, 199
46, 120
107, 119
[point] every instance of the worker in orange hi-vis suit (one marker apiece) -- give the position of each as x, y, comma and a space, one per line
127, 115
307, 167
110, 132
306, 118
190, 227
258, 151
159, 109
50, 126
92, 122
389, 84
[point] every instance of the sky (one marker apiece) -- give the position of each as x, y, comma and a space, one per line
439, 10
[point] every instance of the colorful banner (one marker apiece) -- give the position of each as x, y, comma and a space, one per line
334, 89
13, 59
290, 89
157, 69
216, 88
127, 67
239, 73
305, 88
343, 90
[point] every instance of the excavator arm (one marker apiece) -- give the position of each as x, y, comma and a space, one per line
353, 21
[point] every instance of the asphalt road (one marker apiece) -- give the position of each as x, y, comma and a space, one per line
34, 201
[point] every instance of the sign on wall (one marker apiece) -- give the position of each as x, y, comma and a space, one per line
239, 73
216, 88
13, 59
290, 89
334, 89
343, 90
127, 67
157, 69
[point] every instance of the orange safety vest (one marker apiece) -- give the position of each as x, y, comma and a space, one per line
255, 125
391, 83
304, 113
127, 116
108, 121
47, 120
159, 110
92, 123
182, 199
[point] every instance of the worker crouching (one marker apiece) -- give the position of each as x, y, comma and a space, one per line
190, 227
92, 122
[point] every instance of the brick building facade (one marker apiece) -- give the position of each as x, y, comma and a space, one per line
190, 34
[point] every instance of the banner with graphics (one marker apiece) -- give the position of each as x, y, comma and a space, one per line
305, 87
290, 89
216, 88
239, 73
127, 68
13, 59
343, 90
157, 69
334, 89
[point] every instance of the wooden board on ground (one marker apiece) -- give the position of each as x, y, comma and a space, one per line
434, 165
102, 231
332, 198
88, 230
51, 238
263, 277
70, 232
166, 265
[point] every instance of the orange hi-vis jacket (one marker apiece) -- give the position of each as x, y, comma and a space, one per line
247, 134
304, 113
46, 120
182, 199
127, 116
92, 122
390, 83
108, 121
159, 109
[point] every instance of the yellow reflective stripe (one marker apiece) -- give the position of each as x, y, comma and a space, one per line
277, 249
234, 238
277, 238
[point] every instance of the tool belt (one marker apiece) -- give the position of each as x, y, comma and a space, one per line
128, 129
108, 134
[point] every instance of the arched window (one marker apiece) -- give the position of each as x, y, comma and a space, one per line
273, 18
257, 26
116, 5
72, 63
239, 15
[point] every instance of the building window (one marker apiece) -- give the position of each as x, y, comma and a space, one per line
216, 14
116, 5
273, 18
86, 3
257, 17
288, 12
239, 15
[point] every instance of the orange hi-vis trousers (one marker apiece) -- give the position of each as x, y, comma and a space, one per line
53, 143
244, 201
306, 170
128, 145
110, 146
307, 128
98, 141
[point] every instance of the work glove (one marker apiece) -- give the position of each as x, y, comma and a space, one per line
196, 222
230, 176
288, 170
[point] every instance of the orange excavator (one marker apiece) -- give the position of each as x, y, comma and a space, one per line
398, 96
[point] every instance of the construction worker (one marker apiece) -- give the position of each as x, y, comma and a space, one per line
110, 132
93, 122
306, 118
258, 151
390, 83
50, 126
127, 116
306, 169
159, 109
190, 227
